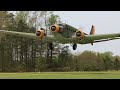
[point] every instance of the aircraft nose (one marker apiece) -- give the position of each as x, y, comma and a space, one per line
53, 28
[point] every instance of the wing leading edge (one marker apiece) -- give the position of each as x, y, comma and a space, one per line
101, 37
48, 38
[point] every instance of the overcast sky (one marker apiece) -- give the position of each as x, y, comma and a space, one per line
104, 22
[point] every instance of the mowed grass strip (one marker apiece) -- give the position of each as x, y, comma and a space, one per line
62, 75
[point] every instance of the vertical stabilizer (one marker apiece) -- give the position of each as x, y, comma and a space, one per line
92, 32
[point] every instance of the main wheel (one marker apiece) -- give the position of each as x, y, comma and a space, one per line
51, 46
74, 46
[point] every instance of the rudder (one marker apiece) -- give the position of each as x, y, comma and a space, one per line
92, 32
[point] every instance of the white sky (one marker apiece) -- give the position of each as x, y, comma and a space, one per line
104, 22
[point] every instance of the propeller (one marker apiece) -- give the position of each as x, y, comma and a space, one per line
78, 34
53, 28
84, 28
40, 33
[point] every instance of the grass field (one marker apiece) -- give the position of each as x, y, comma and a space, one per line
62, 75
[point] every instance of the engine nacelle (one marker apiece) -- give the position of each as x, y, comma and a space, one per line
40, 33
79, 34
55, 28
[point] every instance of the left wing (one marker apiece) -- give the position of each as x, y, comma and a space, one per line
47, 38
101, 37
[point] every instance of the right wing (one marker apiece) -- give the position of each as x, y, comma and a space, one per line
48, 38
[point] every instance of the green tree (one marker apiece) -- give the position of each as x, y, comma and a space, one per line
40, 64
6, 20
108, 60
22, 15
22, 67
117, 64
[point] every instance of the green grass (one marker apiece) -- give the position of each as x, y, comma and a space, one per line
62, 75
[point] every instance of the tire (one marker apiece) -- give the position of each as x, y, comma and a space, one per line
51, 46
74, 46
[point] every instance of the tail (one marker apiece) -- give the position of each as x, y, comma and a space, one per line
92, 32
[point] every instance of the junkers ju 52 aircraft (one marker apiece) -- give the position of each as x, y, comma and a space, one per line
65, 34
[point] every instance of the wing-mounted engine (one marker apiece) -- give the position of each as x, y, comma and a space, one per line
40, 33
79, 34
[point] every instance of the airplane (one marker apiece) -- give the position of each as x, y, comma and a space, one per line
65, 34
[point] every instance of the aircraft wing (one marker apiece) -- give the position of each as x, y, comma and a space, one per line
47, 38
101, 37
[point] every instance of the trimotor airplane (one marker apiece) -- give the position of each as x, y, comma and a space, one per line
65, 34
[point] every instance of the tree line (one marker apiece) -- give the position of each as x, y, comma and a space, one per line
18, 54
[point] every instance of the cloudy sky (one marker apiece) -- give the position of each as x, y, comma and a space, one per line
104, 22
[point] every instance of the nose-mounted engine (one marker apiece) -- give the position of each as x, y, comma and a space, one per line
40, 33
79, 34
56, 28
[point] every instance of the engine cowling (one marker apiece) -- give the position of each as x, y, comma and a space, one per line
40, 33
79, 34
55, 28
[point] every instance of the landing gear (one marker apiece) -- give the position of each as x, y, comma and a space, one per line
74, 46
51, 46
